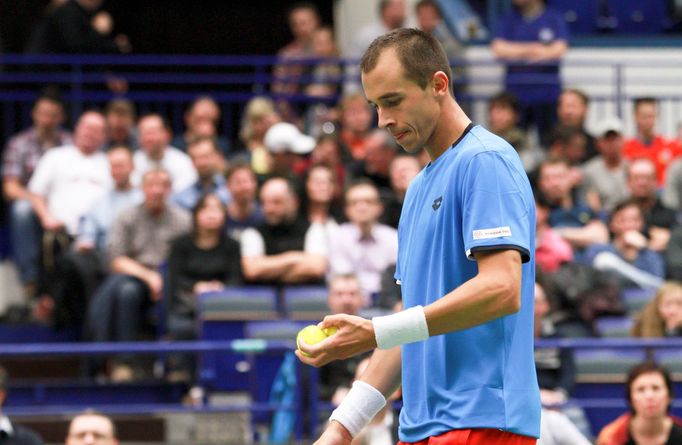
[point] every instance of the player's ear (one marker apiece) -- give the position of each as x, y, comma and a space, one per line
440, 83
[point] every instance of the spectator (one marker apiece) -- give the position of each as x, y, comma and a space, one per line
627, 255
532, 39
204, 260
662, 316
327, 152
138, 245
649, 393
120, 115
287, 146
403, 169
319, 205
551, 250
392, 15
208, 163
202, 119
503, 120
647, 144
91, 428
69, 179
243, 210
380, 149
303, 21
355, 125
570, 218
74, 27
155, 153
20, 158
11, 433
430, 20
83, 269
568, 143
658, 219
363, 246
572, 112
672, 191
345, 297
259, 115
285, 249
605, 176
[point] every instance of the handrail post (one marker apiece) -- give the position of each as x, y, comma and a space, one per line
620, 96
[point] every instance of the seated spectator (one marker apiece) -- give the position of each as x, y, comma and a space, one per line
551, 250
202, 119
138, 246
10, 432
243, 210
285, 249
570, 218
567, 143
208, 162
204, 260
380, 149
430, 20
662, 316
503, 120
90, 428
355, 123
572, 112
287, 146
328, 152
647, 144
627, 254
404, 167
604, 176
649, 393
120, 115
83, 268
20, 158
318, 204
259, 115
155, 135
658, 219
363, 246
345, 297
672, 191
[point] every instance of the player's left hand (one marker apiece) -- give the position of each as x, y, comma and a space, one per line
354, 336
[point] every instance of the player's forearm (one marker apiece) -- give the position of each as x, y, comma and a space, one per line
384, 371
494, 292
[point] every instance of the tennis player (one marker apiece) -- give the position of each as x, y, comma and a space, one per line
463, 345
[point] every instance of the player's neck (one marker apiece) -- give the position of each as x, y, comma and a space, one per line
449, 128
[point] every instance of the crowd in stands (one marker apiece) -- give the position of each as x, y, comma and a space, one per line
119, 214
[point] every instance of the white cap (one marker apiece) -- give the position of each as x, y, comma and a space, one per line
283, 137
608, 125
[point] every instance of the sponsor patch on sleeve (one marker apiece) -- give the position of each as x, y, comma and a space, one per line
495, 232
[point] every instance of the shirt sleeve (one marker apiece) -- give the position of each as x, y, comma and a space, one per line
252, 243
495, 214
41, 179
560, 29
316, 240
11, 163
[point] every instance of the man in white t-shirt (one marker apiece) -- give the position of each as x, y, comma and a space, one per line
284, 249
155, 152
69, 179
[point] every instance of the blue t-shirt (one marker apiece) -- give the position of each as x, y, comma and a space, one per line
474, 197
533, 82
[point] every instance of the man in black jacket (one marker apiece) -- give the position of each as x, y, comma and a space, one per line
11, 433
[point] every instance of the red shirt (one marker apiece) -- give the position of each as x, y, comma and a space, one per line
661, 152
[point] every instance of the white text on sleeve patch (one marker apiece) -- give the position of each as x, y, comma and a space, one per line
495, 232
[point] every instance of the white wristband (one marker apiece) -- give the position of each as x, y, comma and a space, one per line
407, 326
359, 407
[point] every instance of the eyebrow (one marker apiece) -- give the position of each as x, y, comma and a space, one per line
386, 96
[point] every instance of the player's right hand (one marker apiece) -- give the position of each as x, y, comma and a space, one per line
335, 434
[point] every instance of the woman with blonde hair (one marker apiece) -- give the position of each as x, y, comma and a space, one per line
259, 115
662, 316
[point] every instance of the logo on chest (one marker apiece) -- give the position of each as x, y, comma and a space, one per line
436, 203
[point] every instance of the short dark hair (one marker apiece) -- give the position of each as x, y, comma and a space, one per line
164, 121
120, 106
419, 53
646, 368
303, 5
504, 99
236, 166
581, 94
360, 182
428, 4
644, 100
624, 204
563, 134
201, 139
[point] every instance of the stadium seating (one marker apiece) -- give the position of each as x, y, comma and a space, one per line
305, 302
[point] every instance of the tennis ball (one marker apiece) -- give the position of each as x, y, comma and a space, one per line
311, 335
330, 331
